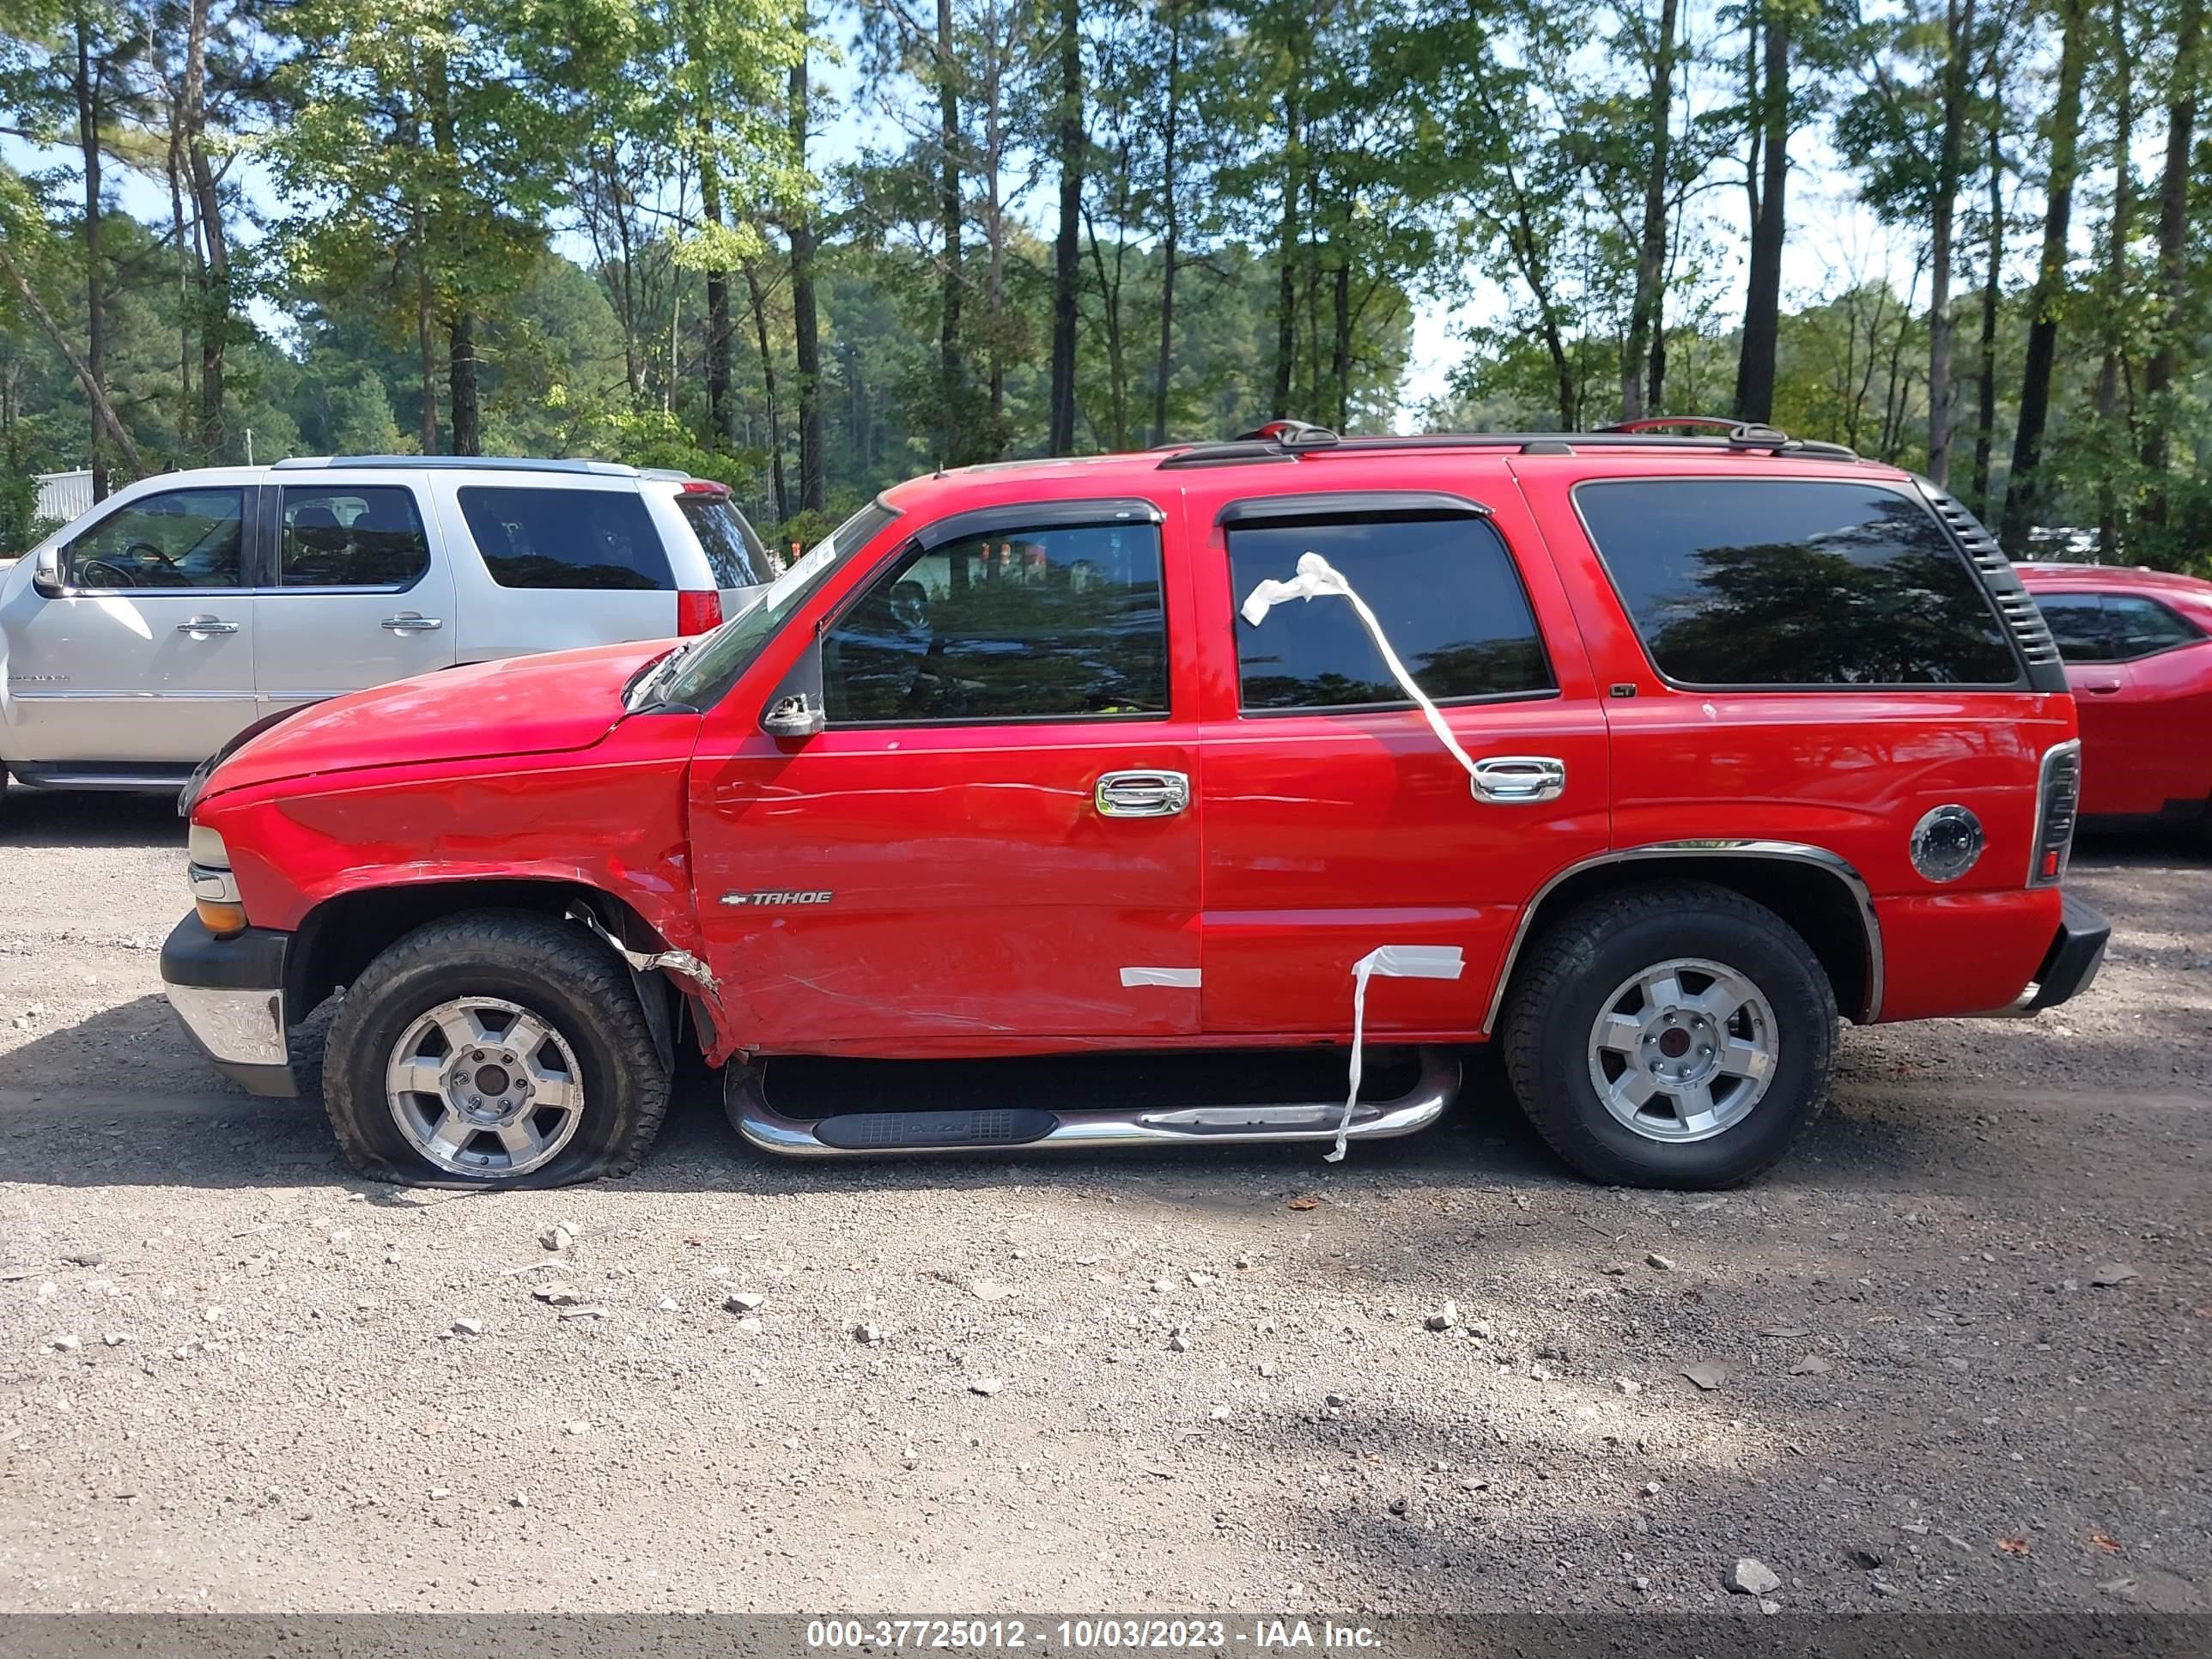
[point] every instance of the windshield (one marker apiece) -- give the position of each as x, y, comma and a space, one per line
712, 667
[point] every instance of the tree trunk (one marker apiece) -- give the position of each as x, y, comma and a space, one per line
87, 87
172, 166
1171, 226
2173, 256
718, 295
95, 393
1067, 249
995, 234
215, 297
768, 381
1340, 365
1959, 35
461, 327
952, 388
2116, 282
2022, 488
1985, 411
1651, 248
805, 322
1762, 300
1286, 246
461, 372
426, 351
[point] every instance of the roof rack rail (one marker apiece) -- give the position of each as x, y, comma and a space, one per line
460, 463
1296, 434
1286, 440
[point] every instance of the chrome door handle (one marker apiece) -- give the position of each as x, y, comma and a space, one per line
199, 625
411, 623
1142, 795
1519, 780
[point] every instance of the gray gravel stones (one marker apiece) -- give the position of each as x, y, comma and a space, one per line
1751, 1577
1953, 1164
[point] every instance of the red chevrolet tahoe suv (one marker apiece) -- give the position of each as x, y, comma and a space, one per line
2137, 646
1643, 756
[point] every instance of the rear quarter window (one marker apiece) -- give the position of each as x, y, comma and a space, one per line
1790, 582
733, 552
566, 539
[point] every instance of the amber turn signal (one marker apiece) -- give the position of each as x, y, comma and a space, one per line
220, 919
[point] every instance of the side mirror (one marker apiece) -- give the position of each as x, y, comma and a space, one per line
797, 709
46, 572
792, 717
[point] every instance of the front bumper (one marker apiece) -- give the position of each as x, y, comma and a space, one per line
2075, 955
229, 993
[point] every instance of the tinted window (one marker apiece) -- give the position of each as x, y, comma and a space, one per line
2143, 627
179, 538
565, 537
1444, 590
351, 536
1775, 582
1017, 625
2078, 624
734, 553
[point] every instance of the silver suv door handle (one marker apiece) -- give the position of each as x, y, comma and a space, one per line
198, 625
1519, 780
411, 623
1142, 795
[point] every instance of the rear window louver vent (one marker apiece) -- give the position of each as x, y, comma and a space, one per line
2013, 602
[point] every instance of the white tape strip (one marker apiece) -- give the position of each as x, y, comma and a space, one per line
1391, 962
1316, 577
1182, 979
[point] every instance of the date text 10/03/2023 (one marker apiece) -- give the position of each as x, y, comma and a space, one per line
1095, 1634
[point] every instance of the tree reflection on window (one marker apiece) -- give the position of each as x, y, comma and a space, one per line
1775, 582
1065, 621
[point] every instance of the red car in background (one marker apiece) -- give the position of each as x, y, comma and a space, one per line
2138, 651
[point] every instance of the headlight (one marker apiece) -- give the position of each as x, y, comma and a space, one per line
214, 890
203, 846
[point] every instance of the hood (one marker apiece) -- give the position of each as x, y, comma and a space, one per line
517, 706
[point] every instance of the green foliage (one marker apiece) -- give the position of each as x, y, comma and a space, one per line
584, 208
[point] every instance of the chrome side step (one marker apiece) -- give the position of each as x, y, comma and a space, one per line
861, 1134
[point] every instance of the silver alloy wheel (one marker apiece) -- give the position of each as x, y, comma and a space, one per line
485, 1088
1684, 1050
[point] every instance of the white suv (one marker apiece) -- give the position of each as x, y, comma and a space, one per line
140, 639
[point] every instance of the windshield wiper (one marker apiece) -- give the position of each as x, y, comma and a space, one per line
642, 692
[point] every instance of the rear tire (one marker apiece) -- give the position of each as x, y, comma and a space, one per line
534, 1063
1676, 1037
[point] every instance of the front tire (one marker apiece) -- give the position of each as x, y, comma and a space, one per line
494, 1048
1676, 1037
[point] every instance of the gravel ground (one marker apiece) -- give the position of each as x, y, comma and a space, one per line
233, 1376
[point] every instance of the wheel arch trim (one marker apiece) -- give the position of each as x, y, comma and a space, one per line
1831, 864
